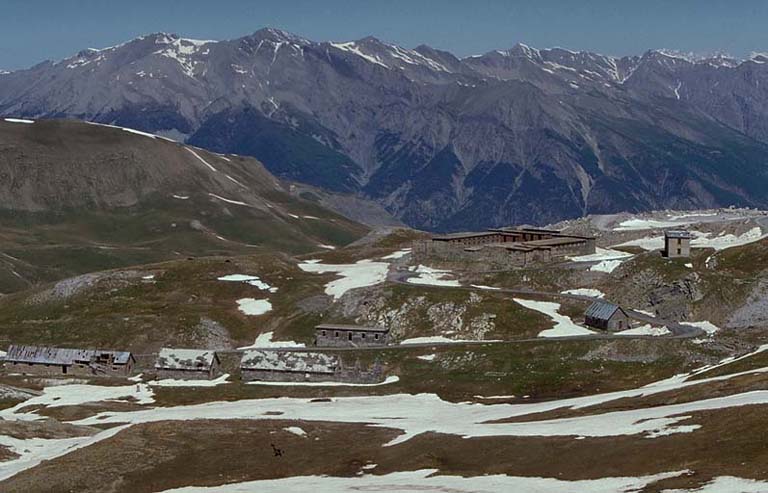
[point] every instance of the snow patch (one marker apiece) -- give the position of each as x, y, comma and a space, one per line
607, 259
645, 330
592, 293
252, 306
432, 277
390, 379
265, 341
397, 255
296, 431
171, 382
248, 279
564, 326
18, 120
358, 275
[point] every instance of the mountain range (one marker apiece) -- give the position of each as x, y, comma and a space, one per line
443, 143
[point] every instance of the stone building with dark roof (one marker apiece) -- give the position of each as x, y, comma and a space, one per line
341, 335
606, 316
187, 364
677, 243
50, 361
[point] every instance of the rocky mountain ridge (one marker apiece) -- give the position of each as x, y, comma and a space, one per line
443, 143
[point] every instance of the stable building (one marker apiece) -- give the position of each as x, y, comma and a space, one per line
289, 366
338, 335
50, 361
677, 244
606, 316
187, 364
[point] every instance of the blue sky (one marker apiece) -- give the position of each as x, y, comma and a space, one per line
35, 30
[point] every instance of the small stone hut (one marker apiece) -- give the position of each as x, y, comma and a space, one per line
338, 335
187, 364
606, 316
677, 243
50, 361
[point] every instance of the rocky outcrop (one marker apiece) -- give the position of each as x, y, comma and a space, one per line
418, 316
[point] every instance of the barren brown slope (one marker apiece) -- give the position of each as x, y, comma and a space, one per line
76, 197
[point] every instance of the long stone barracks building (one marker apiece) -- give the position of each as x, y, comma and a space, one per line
302, 366
39, 360
187, 364
339, 335
606, 316
505, 247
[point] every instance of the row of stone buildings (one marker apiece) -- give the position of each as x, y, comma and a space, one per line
503, 247
255, 364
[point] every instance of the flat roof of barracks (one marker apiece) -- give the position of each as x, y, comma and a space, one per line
509, 231
356, 328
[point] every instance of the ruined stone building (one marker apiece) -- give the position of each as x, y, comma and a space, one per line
606, 316
504, 248
677, 243
40, 360
187, 364
339, 335
277, 365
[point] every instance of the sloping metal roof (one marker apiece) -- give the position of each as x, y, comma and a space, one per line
601, 310
20, 353
676, 233
120, 357
289, 361
185, 359
357, 328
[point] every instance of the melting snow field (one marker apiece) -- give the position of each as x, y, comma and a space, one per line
252, 306
592, 293
432, 277
564, 326
412, 414
398, 254
606, 258
703, 240
641, 224
387, 381
358, 275
706, 326
645, 330
265, 341
432, 480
